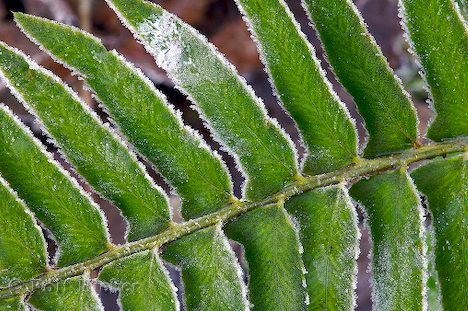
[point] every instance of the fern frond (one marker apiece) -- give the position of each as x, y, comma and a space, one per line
439, 38
445, 184
297, 225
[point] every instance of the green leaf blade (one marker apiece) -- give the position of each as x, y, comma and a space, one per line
210, 273
395, 220
272, 250
73, 294
329, 234
301, 85
442, 55
142, 281
12, 304
223, 98
142, 113
22, 245
91, 148
52, 195
445, 184
362, 69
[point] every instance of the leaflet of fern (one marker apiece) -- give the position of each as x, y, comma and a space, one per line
434, 302
74, 294
362, 69
12, 304
210, 272
329, 235
395, 220
56, 199
226, 103
271, 246
97, 154
301, 85
22, 246
142, 281
141, 112
445, 184
439, 38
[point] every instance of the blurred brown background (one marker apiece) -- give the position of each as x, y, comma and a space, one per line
221, 22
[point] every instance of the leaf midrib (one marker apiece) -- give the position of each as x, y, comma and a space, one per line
231, 211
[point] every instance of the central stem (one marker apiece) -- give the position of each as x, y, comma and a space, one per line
356, 171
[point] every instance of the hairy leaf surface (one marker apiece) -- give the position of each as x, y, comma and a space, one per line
22, 246
142, 113
362, 69
395, 220
204, 187
74, 294
210, 272
329, 235
56, 200
276, 280
445, 184
302, 86
228, 105
97, 154
143, 283
12, 304
439, 38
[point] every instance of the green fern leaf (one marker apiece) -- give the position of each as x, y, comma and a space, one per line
141, 278
86, 142
394, 217
12, 305
362, 69
226, 103
445, 184
22, 246
56, 200
298, 230
302, 86
74, 294
276, 280
329, 234
208, 289
141, 112
439, 38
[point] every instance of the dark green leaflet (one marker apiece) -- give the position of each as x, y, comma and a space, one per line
229, 106
445, 184
56, 200
276, 280
301, 85
440, 40
222, 287
74, 294
142, 281
363, 71
97, 154
329, 235
395, 219
22, 246
141, 112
